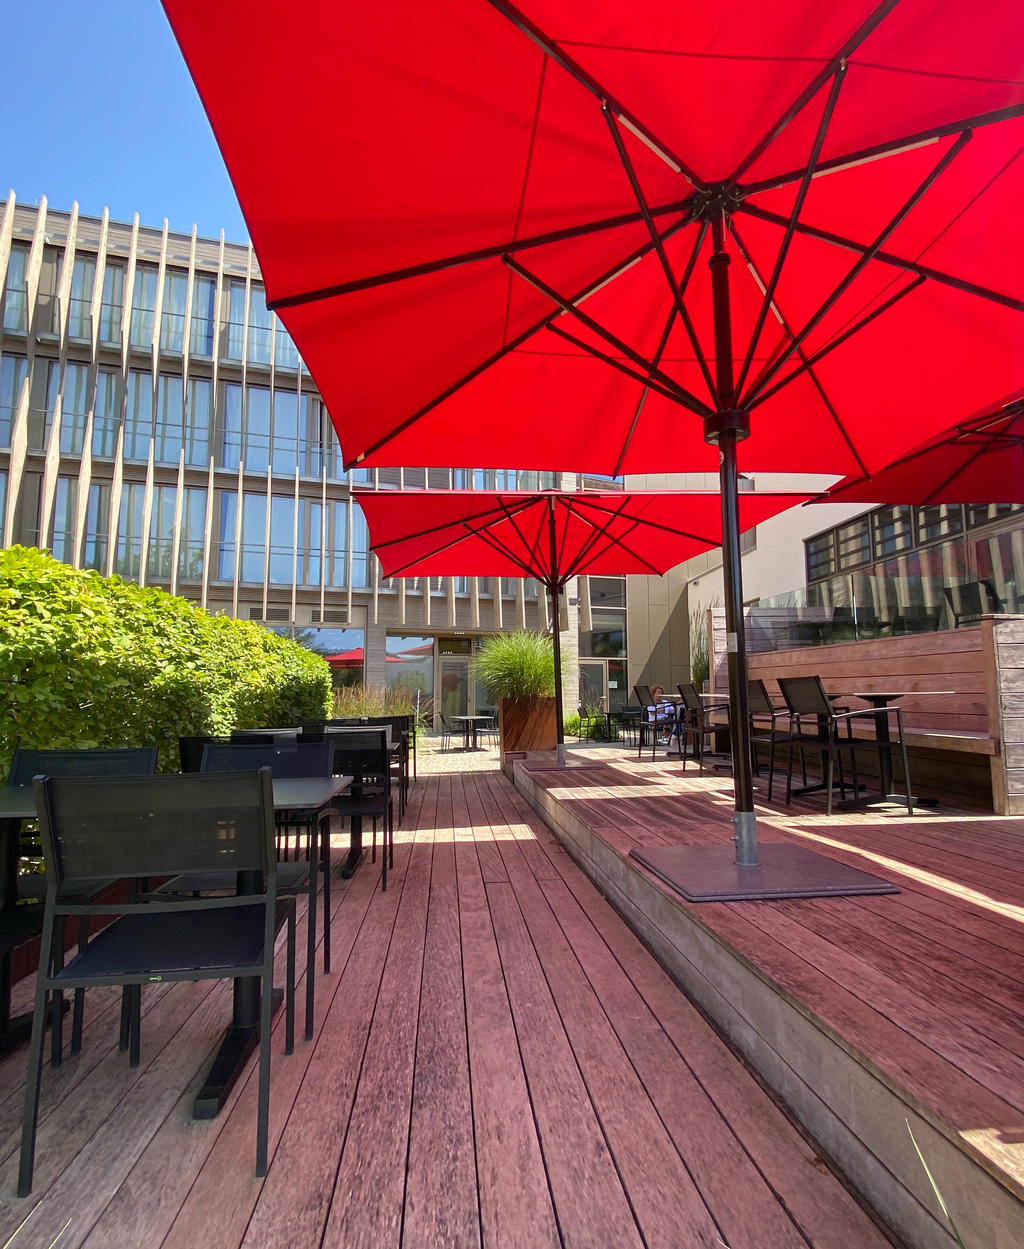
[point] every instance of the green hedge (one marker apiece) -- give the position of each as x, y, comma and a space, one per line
88, 661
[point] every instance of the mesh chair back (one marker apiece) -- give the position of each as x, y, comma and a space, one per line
190, 750
805, 696
156, 825
130, 761
691, 699
237, 756
277, 736
644, 696
362, 732
363, 756
303, 759
759, 702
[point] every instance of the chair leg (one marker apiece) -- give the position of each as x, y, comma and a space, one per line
325, 857
314, 870
124, 1030
30, 1118
828, 782
135, 1036
289, 984
263, 1098
906, 761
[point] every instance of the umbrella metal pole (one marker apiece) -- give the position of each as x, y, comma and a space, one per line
725, 428
556, 639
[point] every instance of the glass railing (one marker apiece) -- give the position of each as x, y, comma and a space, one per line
866, 606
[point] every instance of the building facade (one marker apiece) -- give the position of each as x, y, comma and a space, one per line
156, 421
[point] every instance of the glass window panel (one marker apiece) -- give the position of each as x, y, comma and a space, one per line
112, 305
260, 324
236, 321
607, 639
193, 532
257, 428
282, 539
360, 548
409, 665
254, 537
140, 326
336, 543
853, 544
310, 514
129, 530
891, 530
198, 422
608, 591
204, 304
13, 370
327, 435
227, 500
289, 447
169, 419
97, 526
64, 505
821, 557
286, 355
83, 276
160, 555
172, 316
74, 405
138, 422
940, 521
232, 425
985, 513
15, 294
107, 413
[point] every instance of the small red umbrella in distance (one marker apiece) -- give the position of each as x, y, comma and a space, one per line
550, 535
976, 461
654, 237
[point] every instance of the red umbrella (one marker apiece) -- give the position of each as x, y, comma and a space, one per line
354, 658
549, 535
976, 461
582, 235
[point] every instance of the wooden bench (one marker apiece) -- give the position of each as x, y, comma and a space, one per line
970, 743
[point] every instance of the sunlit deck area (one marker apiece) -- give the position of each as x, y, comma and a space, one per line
497, 1061
867, 1015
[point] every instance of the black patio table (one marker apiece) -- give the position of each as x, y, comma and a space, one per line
306, 794
469, 724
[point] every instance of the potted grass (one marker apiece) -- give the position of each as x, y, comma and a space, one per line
517, 670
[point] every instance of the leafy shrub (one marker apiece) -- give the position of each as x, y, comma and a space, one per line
90, 661
516, 664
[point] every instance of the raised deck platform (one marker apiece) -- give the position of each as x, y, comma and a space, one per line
864, 1014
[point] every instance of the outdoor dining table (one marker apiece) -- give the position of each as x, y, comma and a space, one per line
307, 794
469, 728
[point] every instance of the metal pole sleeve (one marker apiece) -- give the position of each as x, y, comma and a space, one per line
556, 639
739, 719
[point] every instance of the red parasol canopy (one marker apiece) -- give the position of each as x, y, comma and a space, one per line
976, 461
549, 535
578, 234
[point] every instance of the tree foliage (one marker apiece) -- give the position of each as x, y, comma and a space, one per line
89, 661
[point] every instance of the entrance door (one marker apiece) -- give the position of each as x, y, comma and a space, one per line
593, 691
453, 685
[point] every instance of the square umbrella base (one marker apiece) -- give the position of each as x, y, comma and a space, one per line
711, 874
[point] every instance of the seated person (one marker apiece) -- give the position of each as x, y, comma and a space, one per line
663, 713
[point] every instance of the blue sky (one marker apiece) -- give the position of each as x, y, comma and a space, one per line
101, 109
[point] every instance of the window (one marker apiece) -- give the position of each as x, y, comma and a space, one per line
160, 552
193, 530
138, 421
853, 544
170, 420
172, 316
607, 639
286, 355
608, 591
140, 325
74, 406
97, 526
985, 513
891, 530
941, 521
64, 504
821, 557
112, 305
83, 277
13, 370
106, 413
129, 530
198, 422
260, 327
236, 321
15, 295
204, 307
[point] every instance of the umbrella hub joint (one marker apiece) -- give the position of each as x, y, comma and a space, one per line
734, 421
721, 199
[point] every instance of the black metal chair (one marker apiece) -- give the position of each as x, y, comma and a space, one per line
648, 725
363, 755
765, 727
190, 751
135, 828
972, 600
312, 846
697, 723
114, 761
809, 705
446, 730
401, 730
629, 722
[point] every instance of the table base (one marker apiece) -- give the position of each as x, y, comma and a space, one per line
229, 1063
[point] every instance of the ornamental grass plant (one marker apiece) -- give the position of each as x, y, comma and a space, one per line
519, 664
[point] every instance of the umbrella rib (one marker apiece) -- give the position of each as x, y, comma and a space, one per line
659, 247
550, 48
873, 20
637, 254
989, 445
810, 361
590, 502
794, 217
646, 382
766, 374
490, 252
888, 258
533, 570
602, 531
684, 283
485, 517
569, 306
892, 147
749, 259
472, 531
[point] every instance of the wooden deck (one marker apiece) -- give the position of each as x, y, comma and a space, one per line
497, 1062
863, 1013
